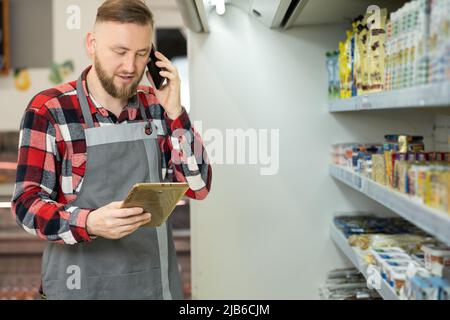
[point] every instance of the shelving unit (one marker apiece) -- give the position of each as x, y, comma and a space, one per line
385, 291
426, 96
433, 221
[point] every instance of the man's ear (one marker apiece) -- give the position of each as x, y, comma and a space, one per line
90, 44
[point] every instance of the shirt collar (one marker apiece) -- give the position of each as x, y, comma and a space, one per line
95, 107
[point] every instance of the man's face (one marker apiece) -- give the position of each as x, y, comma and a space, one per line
120, 56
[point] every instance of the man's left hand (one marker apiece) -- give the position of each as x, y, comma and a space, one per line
169, 95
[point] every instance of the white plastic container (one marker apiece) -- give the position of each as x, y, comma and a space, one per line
436, 258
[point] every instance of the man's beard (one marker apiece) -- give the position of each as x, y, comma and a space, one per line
125, 92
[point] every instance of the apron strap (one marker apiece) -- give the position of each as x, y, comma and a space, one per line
141, 107
84, 104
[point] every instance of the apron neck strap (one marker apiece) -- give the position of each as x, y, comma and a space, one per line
87, 111
84, 104
141, 107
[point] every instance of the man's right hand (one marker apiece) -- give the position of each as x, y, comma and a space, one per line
113, 222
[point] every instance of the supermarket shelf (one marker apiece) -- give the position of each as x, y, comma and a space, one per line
385, 291
435, 222
426, 96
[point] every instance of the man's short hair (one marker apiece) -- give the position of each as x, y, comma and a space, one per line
125, 11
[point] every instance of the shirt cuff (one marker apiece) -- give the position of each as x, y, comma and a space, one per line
182, 122
79, 230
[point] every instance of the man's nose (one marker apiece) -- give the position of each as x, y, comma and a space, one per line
129, 64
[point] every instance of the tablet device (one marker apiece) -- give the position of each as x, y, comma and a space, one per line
160, 199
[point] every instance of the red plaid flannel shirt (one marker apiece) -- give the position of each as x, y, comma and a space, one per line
52, 159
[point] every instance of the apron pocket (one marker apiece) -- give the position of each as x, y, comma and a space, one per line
137, 285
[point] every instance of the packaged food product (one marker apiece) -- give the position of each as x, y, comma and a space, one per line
391, 250
439, 41
421, 288
357, 69
344, 71
377, 38
348, 70
333, 74
364, 60
397, 277
441, 288
379, 169
425, 175
419, 258
380, 259
437, 256
346, 284
409, 242
445, 290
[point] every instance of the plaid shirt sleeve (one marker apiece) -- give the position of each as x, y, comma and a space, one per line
188, 158
36, 203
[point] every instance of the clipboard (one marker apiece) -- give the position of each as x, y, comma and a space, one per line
160, 199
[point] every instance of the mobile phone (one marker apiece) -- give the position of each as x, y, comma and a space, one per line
154, 70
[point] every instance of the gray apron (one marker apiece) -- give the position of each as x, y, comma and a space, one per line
142, 265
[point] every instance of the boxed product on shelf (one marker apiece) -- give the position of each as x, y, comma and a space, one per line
376, 54
421, 285
401, 163
346, 284
407, 262
406, 46
360, 34
369, 224
411, 243
345, 68
380, 258
411, 48
419, 288
332, 63
439, 40
395, 273
437, 257
396, 277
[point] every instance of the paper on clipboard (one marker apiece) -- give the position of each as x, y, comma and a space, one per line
160, 199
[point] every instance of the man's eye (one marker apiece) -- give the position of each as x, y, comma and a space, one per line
120, 53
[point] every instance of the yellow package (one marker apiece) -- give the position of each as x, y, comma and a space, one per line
364, 59
342, 69
443, 190
389, 169
427, 186
378, 169
433, 191
421, 182
377, 39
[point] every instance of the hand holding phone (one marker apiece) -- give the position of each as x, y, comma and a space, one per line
154, 70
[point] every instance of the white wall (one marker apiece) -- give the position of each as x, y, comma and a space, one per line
267, 236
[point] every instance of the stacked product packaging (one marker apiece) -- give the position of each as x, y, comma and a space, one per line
412, 48
402, 164
414, 264
346, 284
